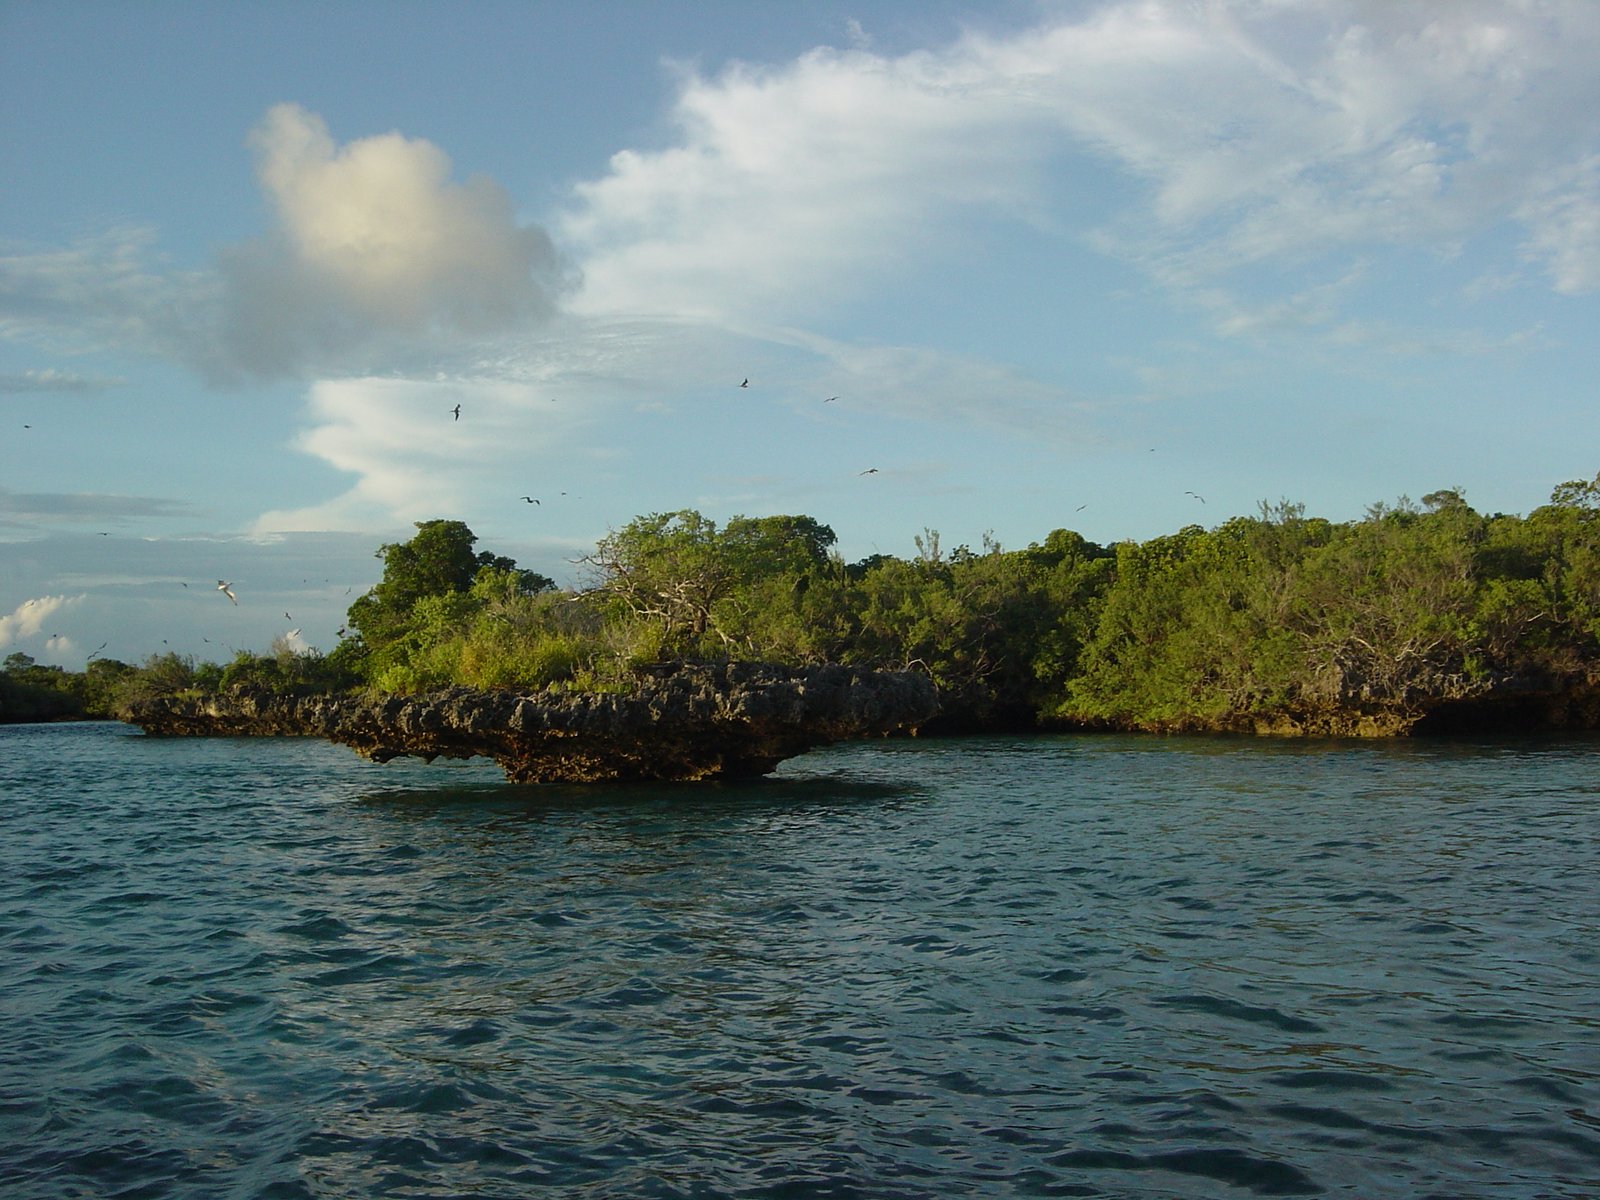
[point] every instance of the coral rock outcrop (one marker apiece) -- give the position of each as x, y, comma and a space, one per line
683, 722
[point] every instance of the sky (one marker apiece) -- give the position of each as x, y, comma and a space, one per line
987, 269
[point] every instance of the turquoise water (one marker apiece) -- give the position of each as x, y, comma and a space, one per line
992, 967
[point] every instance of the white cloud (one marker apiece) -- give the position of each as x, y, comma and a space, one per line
413, 459
380, 222
788, 182
31, 616
373, 241
1260, 132
1564, 227
375, 256
1211, 136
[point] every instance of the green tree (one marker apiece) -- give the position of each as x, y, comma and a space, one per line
425, 587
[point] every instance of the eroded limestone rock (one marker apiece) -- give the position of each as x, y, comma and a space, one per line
686, 723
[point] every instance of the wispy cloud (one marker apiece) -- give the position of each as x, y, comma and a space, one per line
411, 456
23, 509
1250, 133
52, 380
108, 291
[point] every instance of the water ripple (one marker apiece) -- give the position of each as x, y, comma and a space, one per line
1075, 967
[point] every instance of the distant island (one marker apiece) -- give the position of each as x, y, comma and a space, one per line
1417, 618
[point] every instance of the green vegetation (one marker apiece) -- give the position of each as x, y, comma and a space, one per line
1278, 621
32, 691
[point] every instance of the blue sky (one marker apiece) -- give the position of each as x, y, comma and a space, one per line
1062, 265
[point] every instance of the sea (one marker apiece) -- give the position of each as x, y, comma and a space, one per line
1082, 965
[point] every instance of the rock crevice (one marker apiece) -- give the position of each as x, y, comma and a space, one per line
685, 723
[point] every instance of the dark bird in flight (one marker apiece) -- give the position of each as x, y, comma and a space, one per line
531, 500
185, 584
457, 411
868, 471
746, 383
830, 399
287, 617
1080, 508
226, 589
1197, 496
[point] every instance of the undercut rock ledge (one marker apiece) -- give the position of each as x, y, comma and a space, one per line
687, 722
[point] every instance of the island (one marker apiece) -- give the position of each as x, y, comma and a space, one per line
1416, 619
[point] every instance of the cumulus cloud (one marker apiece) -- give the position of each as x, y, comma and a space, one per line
373, 240
373, 248
30, 617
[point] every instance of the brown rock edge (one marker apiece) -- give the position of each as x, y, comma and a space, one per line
681, 722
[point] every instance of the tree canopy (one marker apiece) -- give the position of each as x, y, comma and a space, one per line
1276, 621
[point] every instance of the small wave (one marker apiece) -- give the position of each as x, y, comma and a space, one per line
1221, 1006
1329, 1080
1264, 1176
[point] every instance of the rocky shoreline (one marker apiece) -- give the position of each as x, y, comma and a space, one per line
686, 722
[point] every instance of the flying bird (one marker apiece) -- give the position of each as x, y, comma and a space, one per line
830, 399
1197, 496
226, 589
457, 411
531, 500
868, 471
746, 383
287, 617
